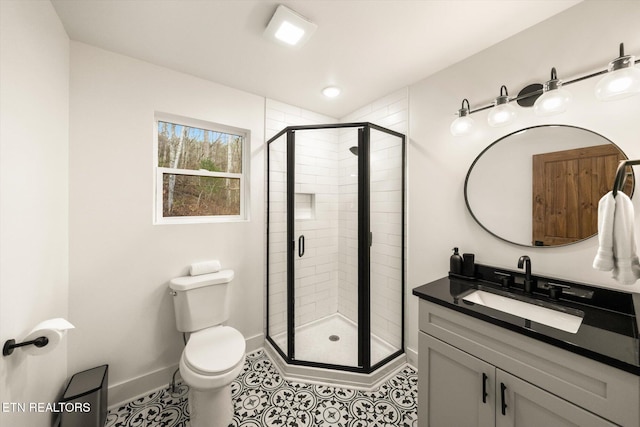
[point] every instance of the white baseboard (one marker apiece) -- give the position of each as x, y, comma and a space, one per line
335, 378
254, 343
412, 357
126, 391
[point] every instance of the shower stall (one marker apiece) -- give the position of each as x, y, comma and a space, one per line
335, 247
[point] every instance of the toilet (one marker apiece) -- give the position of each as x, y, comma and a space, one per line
214, 354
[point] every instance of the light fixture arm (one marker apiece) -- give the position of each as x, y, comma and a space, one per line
553, 74
554, 83
464, 111
503, 98
623, 61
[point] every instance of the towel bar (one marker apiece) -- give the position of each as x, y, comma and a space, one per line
621, 175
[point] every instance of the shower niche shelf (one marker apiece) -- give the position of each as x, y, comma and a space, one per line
305, 206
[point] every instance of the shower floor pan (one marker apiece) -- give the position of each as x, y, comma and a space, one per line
316, 342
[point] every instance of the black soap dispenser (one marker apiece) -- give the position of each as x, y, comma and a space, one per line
455, 263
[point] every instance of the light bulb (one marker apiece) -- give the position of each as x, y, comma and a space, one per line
461, 126
501, 115
552, 102
619, 84
622, 79
554, 98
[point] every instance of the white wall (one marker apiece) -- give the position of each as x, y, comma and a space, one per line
581, 40
34, 149
120, 262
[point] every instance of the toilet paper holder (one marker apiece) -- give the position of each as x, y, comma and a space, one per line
9, 345
48, 332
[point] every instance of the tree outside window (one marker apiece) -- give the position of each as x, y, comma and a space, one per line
199, 172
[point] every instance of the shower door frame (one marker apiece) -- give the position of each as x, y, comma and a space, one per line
364, 245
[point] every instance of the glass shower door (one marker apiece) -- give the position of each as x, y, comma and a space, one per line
322, 334
386, 201
277, 264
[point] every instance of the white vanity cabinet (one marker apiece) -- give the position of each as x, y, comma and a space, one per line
458, 389
529, 406
454, 388
470, 369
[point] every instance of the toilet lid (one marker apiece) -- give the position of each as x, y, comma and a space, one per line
214, 350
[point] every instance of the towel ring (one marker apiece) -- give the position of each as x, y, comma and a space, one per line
621, 175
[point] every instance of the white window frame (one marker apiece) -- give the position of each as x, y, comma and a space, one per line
159, 172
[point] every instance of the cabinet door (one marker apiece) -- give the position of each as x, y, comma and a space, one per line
456, 389
521, 404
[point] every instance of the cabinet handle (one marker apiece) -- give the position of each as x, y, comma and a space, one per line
503, 388
484, 387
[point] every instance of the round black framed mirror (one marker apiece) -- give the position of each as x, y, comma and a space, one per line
540, 186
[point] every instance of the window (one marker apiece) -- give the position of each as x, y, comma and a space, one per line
200, 171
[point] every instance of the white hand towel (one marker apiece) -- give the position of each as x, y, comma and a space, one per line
616, 238
205, 267
626, 268
606, 211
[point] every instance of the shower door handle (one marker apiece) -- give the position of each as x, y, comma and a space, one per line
301, 245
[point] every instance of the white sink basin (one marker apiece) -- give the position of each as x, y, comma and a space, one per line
547, 316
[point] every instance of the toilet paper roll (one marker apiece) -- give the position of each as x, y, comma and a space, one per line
205, 267
52, 329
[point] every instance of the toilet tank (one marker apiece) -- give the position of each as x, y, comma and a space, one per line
201, 301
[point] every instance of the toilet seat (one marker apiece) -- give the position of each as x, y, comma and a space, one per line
214, 351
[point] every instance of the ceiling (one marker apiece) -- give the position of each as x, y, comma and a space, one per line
369, 48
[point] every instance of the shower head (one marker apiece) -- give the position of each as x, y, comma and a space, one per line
354, 150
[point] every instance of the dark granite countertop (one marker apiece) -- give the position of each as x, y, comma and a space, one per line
609, 329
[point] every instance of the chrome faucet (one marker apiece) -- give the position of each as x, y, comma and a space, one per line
525, 262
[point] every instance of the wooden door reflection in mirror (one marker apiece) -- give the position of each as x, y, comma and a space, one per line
567, 186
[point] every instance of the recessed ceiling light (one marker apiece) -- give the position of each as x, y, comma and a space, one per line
331, 91
287, 27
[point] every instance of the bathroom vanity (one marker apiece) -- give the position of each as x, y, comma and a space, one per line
491, 354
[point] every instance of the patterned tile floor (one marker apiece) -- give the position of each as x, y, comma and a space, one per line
262, 398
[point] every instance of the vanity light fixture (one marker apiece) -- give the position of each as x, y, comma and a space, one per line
463, 124
621, 80
502, 113
554, 98
289, 28
331, 91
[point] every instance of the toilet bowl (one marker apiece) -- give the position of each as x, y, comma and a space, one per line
212, 359
214, 354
